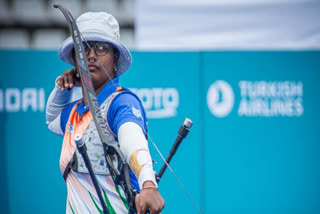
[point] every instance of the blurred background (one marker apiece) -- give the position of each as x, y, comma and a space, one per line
35, 24
246, 72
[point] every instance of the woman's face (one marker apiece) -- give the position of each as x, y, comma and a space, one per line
101, 63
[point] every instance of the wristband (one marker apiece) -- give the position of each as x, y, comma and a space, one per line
149, 187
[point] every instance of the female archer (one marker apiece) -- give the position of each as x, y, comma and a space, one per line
107, 58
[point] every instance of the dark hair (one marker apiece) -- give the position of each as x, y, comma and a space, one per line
116, 54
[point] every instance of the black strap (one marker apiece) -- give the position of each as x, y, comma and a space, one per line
68, 168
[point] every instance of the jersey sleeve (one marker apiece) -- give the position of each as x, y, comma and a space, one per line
65, 115
126, 107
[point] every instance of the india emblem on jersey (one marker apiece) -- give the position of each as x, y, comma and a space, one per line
136, 112
70, 128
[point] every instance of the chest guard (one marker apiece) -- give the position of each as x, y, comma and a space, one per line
94, 147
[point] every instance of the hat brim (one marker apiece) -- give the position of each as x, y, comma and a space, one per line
125, 59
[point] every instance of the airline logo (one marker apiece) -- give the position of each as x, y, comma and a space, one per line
220, 98
271, 98
257, 98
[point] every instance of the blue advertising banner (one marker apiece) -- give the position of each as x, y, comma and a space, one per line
33, 178
261, 135
254, 146
168, 86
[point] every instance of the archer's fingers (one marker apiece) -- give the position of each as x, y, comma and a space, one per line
65, 80
141, 209
77, 80
77, 74
137, 200
60, 82
157, 208
65, 76
70, 79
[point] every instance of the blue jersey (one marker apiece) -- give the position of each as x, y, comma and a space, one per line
125, 107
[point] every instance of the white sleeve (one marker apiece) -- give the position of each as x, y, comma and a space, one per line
55, 126
135, 148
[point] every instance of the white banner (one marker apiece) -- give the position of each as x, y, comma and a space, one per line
227, 24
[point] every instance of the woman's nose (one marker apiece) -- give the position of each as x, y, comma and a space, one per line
91, 56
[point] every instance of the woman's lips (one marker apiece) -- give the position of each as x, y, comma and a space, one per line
92, 68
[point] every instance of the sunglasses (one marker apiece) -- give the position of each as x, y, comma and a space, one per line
100, 48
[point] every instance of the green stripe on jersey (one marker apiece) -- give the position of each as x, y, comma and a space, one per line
100, 211
71, 207
110, 208
124, 200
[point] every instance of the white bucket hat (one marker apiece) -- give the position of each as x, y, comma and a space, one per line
100, 27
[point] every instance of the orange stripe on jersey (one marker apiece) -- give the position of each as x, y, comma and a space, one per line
79, 125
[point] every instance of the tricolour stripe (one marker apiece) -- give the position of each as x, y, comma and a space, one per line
71, 207
110, 208
95, 204
124, 200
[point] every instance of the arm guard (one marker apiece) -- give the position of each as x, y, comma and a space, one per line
135, 148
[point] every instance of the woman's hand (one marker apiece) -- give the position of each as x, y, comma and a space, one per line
68, 79
149, 199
